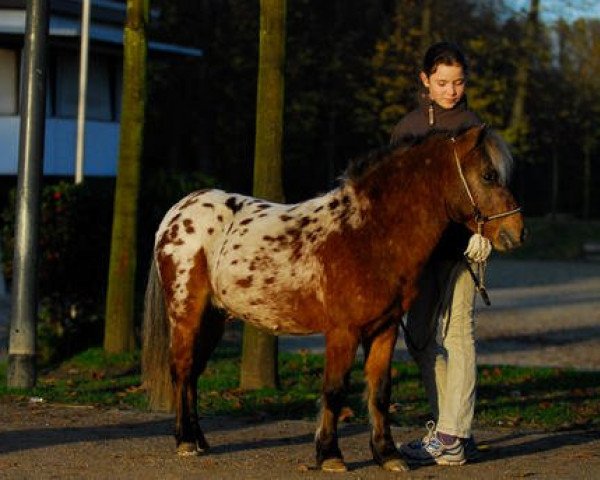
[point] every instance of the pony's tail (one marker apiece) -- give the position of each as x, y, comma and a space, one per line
156, 374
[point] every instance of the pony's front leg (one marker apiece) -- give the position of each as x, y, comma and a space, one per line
340, 349
378, 356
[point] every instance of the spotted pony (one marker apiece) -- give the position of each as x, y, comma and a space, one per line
345, 264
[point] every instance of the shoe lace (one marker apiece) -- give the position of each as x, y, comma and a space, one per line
430, 426
417, 444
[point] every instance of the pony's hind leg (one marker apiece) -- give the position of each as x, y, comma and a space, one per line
195, 332
184, 373
211, 331
341, 345
378, 356
192, 343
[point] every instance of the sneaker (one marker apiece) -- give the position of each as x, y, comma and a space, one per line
431, 450
430, 426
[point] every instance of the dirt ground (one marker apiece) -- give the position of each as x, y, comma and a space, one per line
57, 442
543, 313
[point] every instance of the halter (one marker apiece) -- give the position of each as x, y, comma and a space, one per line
480, 219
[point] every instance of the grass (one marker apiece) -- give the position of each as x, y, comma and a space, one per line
557, 240
546, 398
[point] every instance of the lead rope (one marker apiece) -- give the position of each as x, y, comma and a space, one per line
479, 277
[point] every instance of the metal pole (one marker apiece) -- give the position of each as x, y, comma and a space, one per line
83, 80
21, 349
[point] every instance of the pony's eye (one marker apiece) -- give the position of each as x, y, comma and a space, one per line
490, 176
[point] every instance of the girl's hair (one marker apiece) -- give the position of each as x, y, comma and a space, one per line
445, 53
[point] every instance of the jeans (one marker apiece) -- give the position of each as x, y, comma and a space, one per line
441, 333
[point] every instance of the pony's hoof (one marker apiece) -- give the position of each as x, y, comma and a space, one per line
187, 449
334, 465
395, 465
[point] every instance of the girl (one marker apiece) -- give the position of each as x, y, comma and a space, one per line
440, 327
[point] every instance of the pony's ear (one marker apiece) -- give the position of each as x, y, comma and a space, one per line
470, 138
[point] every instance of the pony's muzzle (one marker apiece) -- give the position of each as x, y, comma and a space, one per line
509, 240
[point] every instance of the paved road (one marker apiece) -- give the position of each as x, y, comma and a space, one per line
542, 313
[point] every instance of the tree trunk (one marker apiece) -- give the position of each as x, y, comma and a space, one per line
587, 179
555, 185
259, 352
330, 81
426, 26
517, 128
330, 146
119, 325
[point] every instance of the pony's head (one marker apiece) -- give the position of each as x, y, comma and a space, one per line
483, 201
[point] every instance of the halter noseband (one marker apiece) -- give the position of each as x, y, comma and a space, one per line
479, 218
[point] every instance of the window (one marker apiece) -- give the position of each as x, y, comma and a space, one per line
9, 81
99, 101
100, 88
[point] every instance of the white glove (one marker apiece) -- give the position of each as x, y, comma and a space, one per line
478, 249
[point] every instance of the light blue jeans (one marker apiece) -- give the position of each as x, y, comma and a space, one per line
441, 333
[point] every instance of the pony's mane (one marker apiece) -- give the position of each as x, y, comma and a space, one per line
494, 146
360, 166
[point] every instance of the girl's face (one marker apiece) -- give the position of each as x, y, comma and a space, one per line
446, 85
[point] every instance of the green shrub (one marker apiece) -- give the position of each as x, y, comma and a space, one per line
74, 242
74, 250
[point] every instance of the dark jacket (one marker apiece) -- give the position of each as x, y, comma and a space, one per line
429, 116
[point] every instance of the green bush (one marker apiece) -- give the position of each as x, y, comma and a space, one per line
74, 242
74, 251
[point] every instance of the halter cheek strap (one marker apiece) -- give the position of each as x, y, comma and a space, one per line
480, 219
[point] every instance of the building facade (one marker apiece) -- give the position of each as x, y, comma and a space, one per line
103, 90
